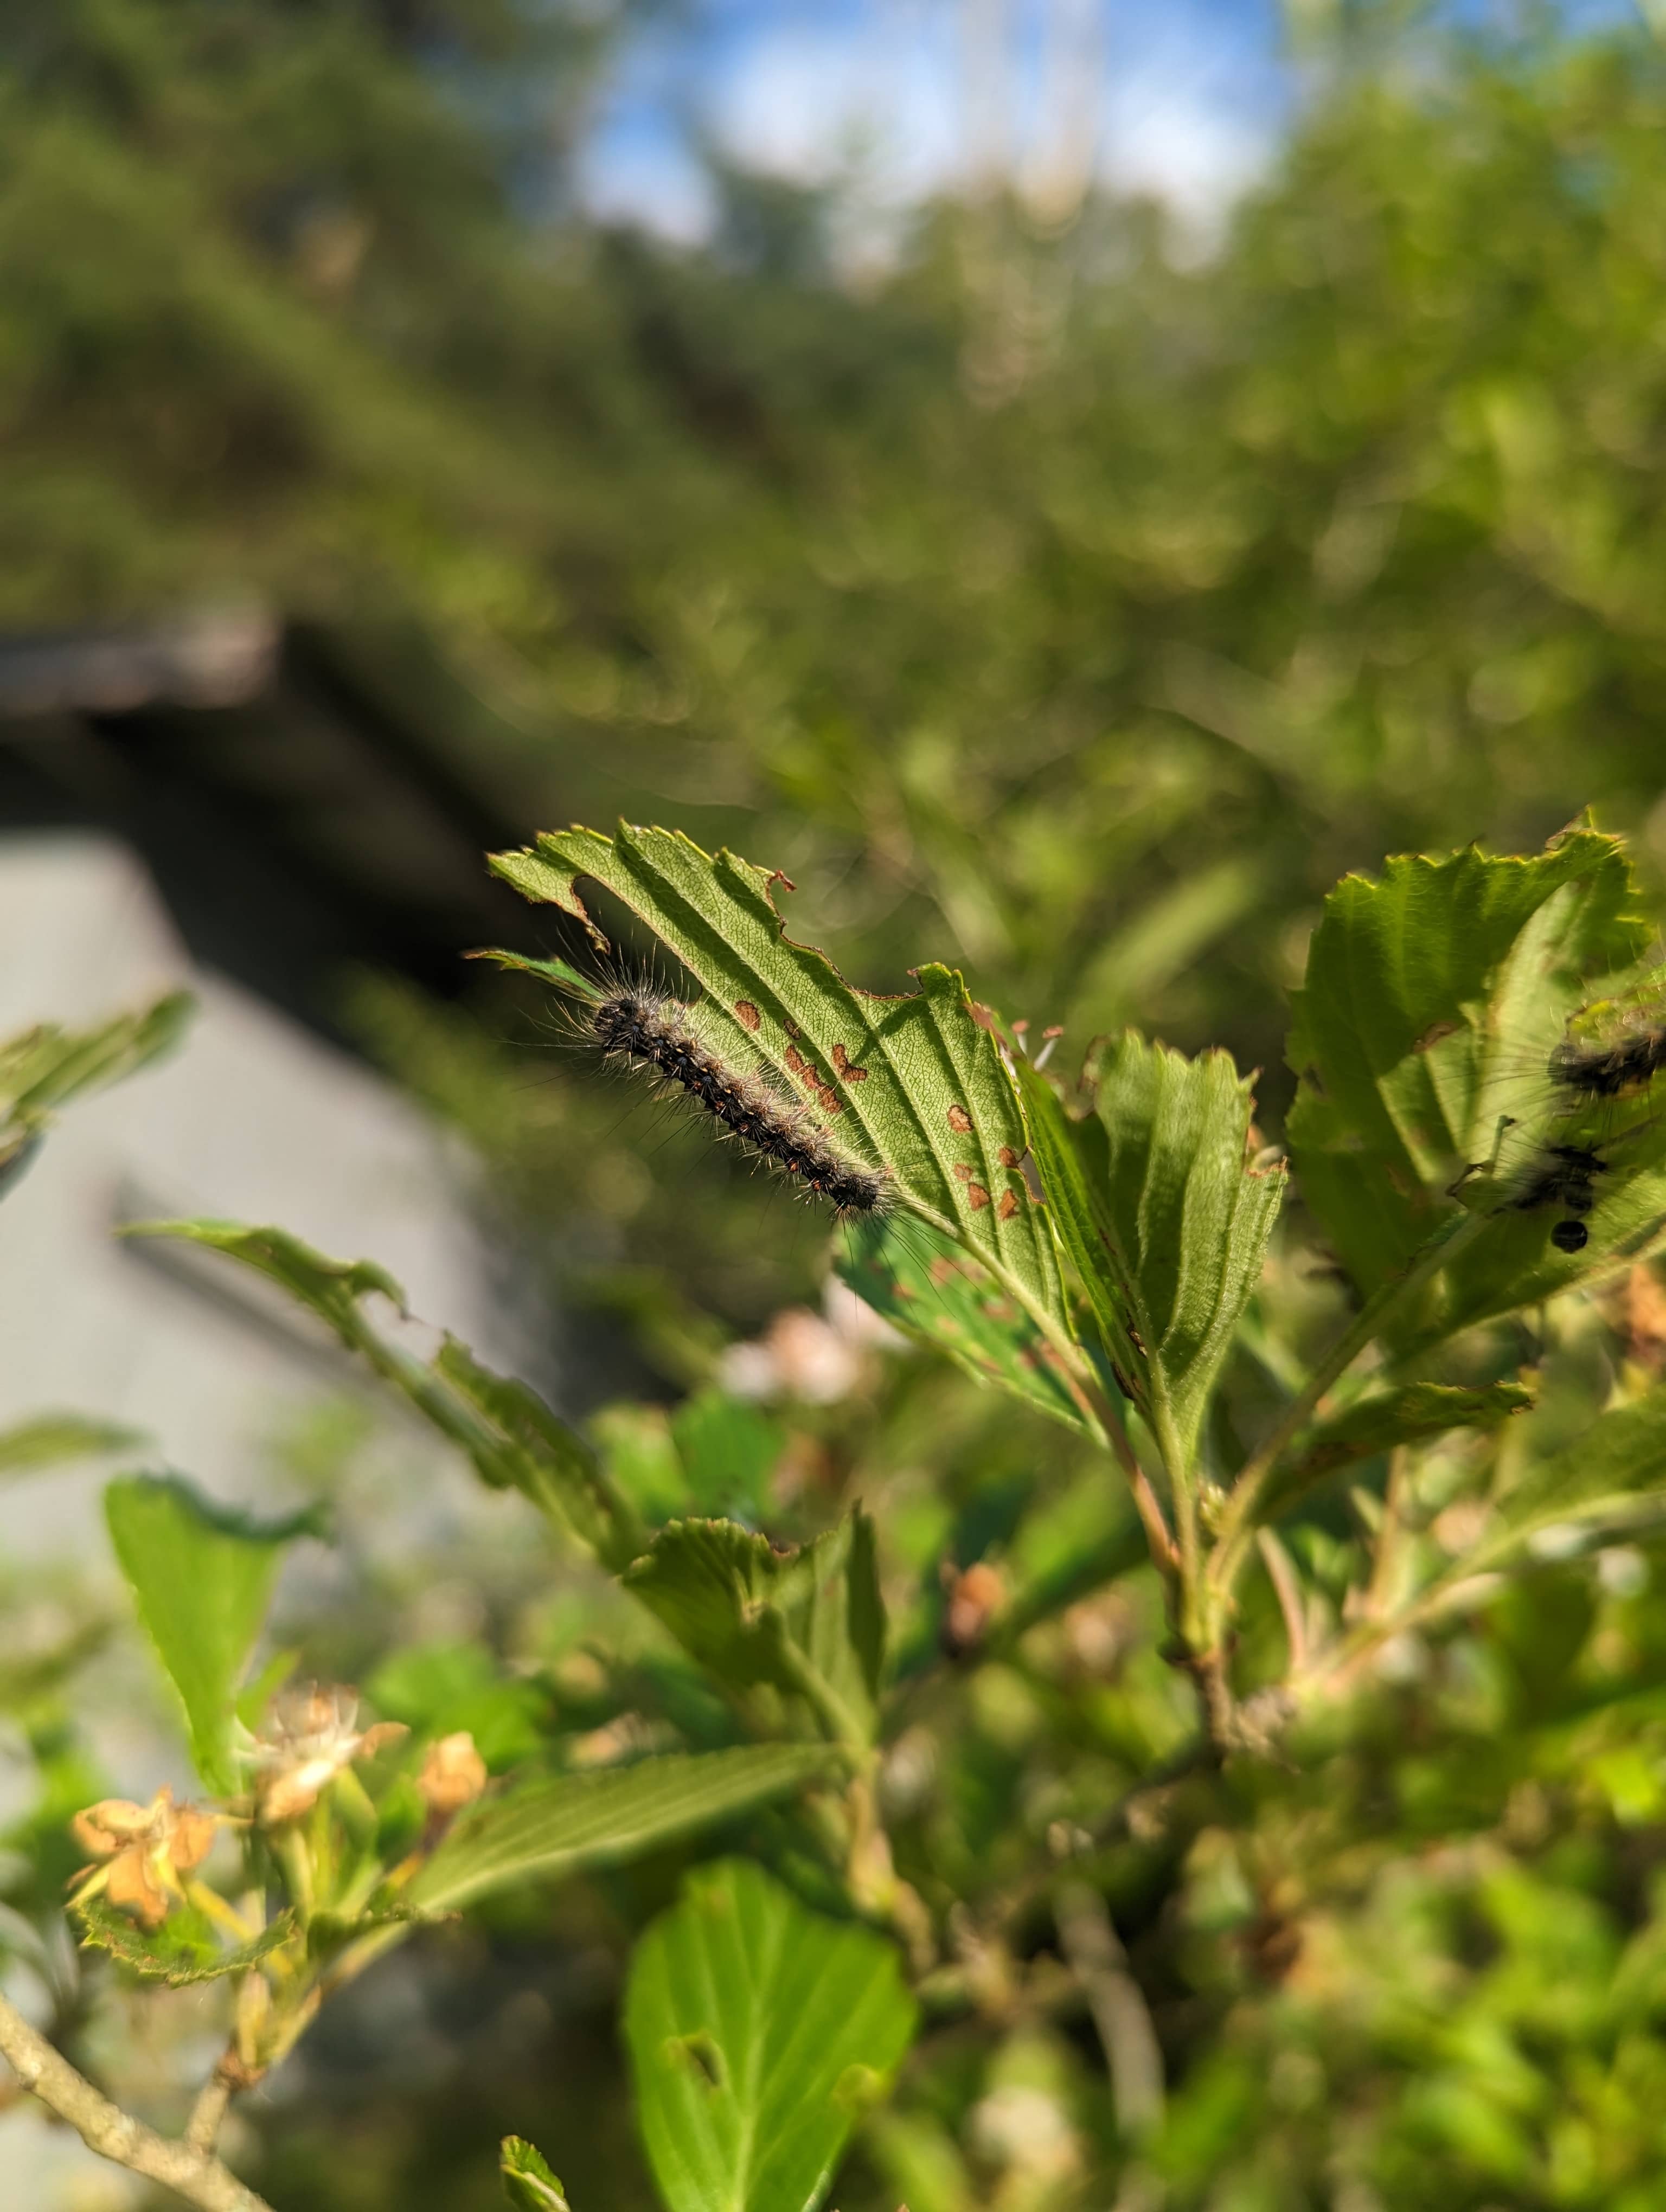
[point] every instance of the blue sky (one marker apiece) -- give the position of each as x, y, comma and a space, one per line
1180, 97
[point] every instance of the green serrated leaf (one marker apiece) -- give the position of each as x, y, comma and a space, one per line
550, 1829
914, 1085
53, 1437
809, 1623
1385, 1419
758, 2033
922, 1282
528, 2182
183, 1950
1163, 1218
43, 1069
512, 1438
1431, 995
201, 1575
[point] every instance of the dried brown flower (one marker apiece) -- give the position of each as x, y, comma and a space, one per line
144, 1850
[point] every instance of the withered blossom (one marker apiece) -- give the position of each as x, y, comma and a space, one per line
144, 1850
311, 1735
453, 1773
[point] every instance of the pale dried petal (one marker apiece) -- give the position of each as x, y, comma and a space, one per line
192, 1837
453, 1773
133, 1884
105, 1828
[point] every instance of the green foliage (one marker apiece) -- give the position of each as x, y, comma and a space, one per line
184, 1950
811, 1624
45, 1067
555, 1828
511, 1438
913, 1086
1165, 1219
201, 1577
528, 2183
51, 1438
758, 2032
1426, 993
919, 1282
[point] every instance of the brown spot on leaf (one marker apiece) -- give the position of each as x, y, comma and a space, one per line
977, 1196
828, 1099
1433, 1034
961, 1172
845, 1069
943, 1270
746, 1013
959, 1121
795, 1060
1007, 1157
1007, 1208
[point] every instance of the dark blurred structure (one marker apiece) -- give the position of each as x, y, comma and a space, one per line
304, 800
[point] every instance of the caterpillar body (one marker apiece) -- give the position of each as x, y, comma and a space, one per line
642, 1029
1624, 1063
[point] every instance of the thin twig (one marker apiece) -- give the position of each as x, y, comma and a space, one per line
202, 2127
1282, 1576
194, 2174
1118, 2006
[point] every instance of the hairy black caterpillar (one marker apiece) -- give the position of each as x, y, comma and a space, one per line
1564, 1175
1611, 1068
642, 1028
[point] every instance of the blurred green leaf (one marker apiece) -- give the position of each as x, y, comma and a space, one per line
201, 1576
51, 1437
439, 1689
45, 1067
729, 1448
810, 1622
528, 2182
914, 1085
758, 2034
1162, 1218
509, 1434
548, 1829
1613, 1475
1385, 1419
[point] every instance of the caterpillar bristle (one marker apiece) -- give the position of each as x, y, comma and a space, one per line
644, 1028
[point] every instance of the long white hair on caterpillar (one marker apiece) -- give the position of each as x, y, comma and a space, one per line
639, 1027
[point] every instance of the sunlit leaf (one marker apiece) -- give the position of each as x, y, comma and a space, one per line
911, 1085
1432, 999
809, 1623
550, 1829
922, 1282
1163, 1217
758, 2034
201, 1576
